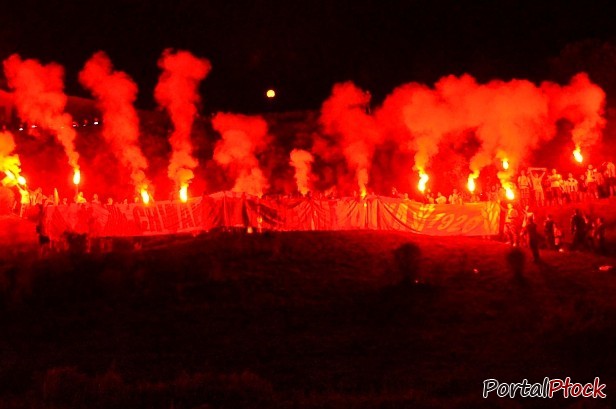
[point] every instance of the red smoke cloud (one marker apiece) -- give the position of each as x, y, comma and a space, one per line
514, 122
343, 116
40, 99
177, 92
582, 103
243, 137
301, 161
490, 122
115, 93
509, 119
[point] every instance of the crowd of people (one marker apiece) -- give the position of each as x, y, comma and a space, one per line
521, 229
29, 199
554, 189
538, 187
534, 188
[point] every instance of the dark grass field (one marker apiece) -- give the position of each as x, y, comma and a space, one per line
305, 319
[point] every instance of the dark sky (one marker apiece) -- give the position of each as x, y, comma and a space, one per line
303, 47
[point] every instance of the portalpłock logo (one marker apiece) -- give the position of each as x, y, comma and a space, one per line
549, 388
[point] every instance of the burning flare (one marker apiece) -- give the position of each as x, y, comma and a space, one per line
9, 161
145, 196
577, 154
11, 179
76, 176
509, 192
505, 164
471, 183
184, 193
423, 179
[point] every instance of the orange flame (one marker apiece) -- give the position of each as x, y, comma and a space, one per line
423, 179
577, 154
12, 178
509, 193
184, 193
471, 183
145, 196
76, 176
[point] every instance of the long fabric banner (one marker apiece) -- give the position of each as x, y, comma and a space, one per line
232, 210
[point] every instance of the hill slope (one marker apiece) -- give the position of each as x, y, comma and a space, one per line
345, 319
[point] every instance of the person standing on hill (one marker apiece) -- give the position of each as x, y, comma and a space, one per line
598, 235
511, 225
455, 197
556, 187
538, 188
533, 238
526, 215
25, 200
440, 199
430, 198
548, 229
583, 188
610, 176
571, 187
578, 230
36, 197
602, 188
591, 183
524, 188
558, 237
41, 231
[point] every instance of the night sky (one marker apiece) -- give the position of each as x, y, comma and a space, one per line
302, 48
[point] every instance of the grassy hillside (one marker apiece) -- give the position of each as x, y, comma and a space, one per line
285, 320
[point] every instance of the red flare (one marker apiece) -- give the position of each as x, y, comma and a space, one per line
76, 177
184, 193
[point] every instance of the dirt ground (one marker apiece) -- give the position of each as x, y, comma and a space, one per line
302, 319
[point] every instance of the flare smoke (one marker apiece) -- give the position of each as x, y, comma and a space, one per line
115, 93
177, 92
40, 99
343, 115
515, 122
509, 119
243, 137
582, 103
301, 161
